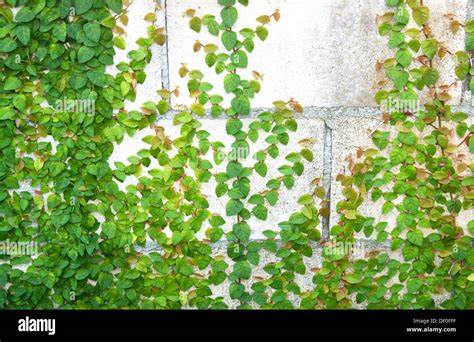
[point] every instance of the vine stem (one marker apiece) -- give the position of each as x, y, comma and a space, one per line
124, 11
239, 217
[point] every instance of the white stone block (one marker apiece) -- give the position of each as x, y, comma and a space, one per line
322, 53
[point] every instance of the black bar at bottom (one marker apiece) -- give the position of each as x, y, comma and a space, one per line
443, 325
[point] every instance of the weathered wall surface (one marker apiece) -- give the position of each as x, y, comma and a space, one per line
322, 53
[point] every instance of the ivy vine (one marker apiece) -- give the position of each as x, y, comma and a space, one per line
90, 232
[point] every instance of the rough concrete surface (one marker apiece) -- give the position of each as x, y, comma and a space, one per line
322, 53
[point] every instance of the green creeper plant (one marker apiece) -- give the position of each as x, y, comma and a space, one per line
235, 182
62, 114
418, 172
52, 51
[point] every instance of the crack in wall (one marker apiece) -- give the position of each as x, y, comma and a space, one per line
366, 244
327, 177
327, 114
162, 20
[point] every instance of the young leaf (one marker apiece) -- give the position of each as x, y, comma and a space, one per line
229, 16
421, 15
430, 48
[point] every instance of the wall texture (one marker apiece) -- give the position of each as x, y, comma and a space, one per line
322, 53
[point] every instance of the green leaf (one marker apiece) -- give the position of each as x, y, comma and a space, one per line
109, 22
236, 290
210, 59
470, 41
226, 2
233, 126
97, 78
60, 32
421, 15
183, 117
233, 207
231, 82
24, 15
229, 16
261, 32
240, 59
413, 285
261, 168
215, 234
85, 54
221, 189
248, 44
115, 5
198, 109
415, 237
307, 154
392, 3
82, 274
12, 83
430, 48
7, 45
19, 101
58, 219
241, 231
404, 57
462, 70
195, 24
396, 38
109, 229
241, 105
229, 39
242, 270
384, 28
402, 16
234, 169
459, 300
23, 34
407, 138
469, 27
55, 168
404, 220
306, 199
257, 199
411, 204
38, 164
400, 78
49, 280
82, 6
430, 76
353, 278
132, 274
260, 212
93, 31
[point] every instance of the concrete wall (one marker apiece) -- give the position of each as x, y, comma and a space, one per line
322, 53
